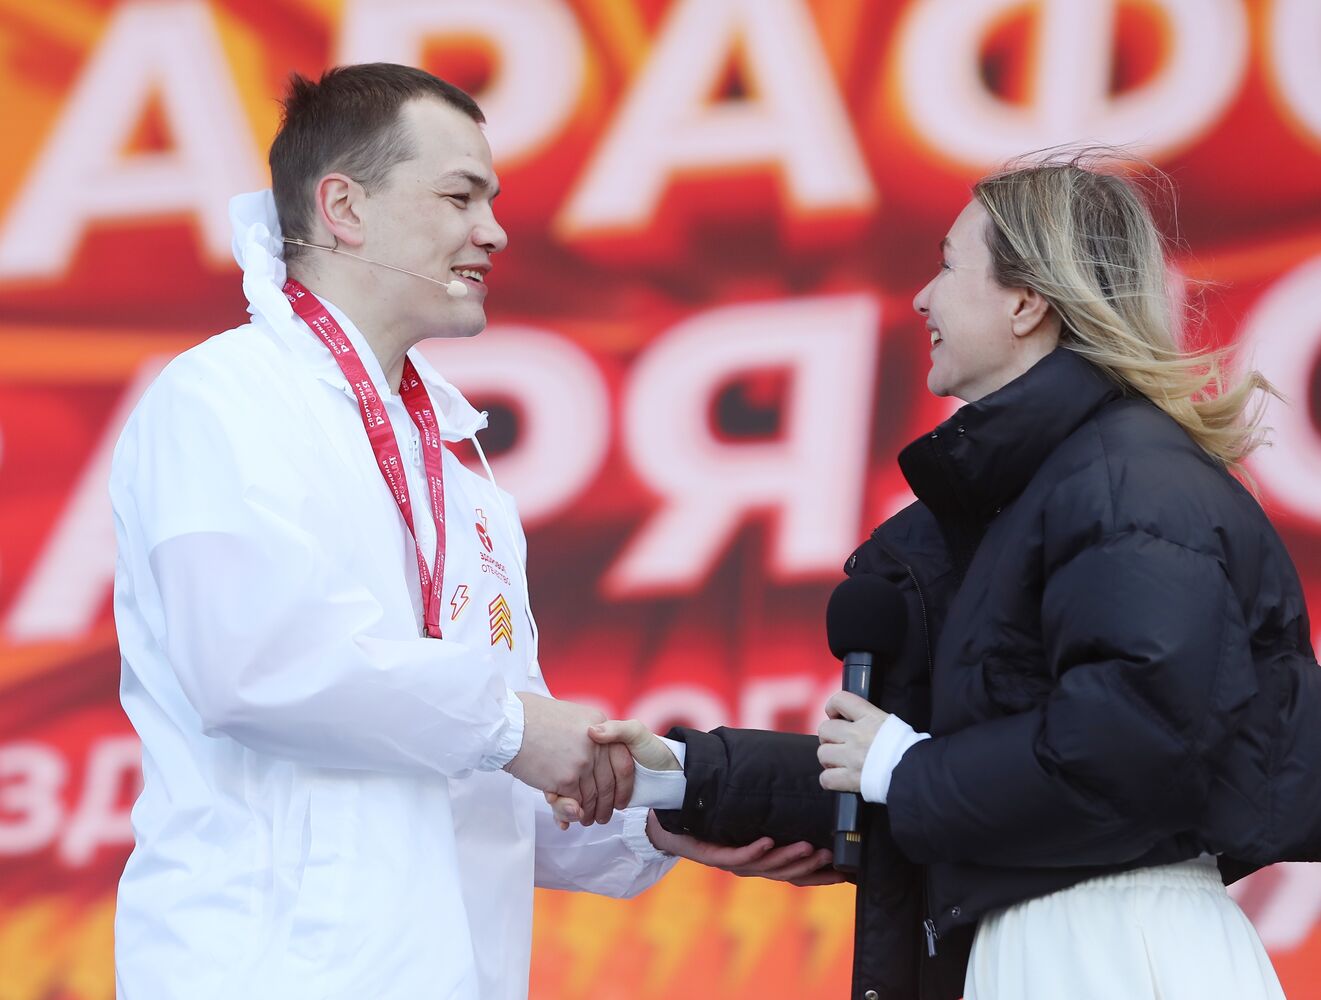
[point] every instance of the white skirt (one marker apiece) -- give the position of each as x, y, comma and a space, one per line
1165, 933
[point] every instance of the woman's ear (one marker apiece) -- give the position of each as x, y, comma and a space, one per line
1029, 310
338, 208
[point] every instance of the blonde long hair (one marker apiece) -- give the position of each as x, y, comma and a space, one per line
1082, 236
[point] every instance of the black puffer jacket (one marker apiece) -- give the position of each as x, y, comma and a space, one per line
1111, 650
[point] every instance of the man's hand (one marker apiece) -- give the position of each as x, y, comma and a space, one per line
797, 864
845, 739
558, 757
631, 739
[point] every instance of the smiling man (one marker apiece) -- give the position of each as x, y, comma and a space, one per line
343, 771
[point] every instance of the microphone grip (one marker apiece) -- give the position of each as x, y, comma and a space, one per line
857, 674
848, 805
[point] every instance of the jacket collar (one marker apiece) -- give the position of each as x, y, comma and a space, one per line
259, 250
985, 454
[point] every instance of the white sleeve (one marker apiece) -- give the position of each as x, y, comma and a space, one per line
275, 644
661, 789
611, 859
892, 741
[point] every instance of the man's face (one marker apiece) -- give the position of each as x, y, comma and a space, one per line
433, 215
968, 314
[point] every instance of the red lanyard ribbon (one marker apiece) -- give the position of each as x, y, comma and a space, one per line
381, 434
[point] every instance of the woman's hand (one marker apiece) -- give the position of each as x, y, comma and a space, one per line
645, 746
846, 736
797, 864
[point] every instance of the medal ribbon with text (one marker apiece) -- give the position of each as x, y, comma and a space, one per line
386, 448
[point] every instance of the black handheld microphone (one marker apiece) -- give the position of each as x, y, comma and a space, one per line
866, 620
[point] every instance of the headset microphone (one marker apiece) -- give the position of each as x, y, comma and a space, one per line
456, 289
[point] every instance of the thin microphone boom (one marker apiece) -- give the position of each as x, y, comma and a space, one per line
456, 288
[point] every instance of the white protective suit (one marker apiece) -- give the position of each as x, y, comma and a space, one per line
323, 813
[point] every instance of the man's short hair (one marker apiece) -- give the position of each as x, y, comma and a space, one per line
349, 121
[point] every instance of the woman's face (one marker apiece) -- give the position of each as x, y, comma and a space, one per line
970, 318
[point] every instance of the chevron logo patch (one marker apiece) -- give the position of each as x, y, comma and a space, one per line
502, 622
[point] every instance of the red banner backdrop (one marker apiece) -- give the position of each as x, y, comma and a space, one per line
701, 362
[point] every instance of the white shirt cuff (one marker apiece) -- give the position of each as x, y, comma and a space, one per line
511, 740
891, 743
635, 835
660, 789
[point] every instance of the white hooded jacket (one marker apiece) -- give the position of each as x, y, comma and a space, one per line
324, 813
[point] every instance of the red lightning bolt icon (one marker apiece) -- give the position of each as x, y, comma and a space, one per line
459, 601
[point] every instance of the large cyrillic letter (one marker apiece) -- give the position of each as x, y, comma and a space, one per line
1295, 35
164, 50
794, 120
949, 102
812, 475
73, 575
538, 65
1282, 337
31, 778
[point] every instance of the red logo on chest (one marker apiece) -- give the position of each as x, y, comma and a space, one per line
483, 535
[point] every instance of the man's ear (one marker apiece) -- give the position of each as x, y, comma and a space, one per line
339, 201
1029, 309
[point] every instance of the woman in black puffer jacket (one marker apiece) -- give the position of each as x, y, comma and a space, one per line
1108, 703
1122, 677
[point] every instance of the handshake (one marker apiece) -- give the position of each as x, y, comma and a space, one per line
585, 766
583, 763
